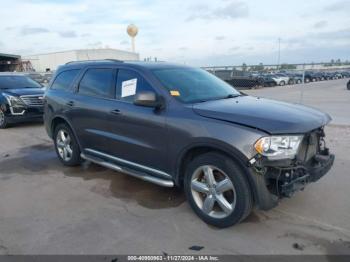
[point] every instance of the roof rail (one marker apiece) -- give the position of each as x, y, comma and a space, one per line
100, 60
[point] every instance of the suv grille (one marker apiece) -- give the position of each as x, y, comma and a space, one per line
33, 100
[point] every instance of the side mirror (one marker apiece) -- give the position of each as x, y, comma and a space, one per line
148, 99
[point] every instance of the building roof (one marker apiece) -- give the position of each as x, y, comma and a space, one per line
81, 50
2, 55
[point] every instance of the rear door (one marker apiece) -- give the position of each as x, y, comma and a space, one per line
138, 133
93, 99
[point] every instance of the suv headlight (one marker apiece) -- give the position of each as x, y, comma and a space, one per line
278, 147
14, 101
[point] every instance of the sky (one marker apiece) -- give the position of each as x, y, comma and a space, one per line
195, 32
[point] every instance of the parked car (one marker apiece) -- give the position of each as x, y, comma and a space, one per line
267, 81
295, 78
280, 79
345, 74
320, 76
174, 125
21, 99
46, 78
339, 75
348, 85
37, 77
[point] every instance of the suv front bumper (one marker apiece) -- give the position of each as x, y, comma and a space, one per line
275, 179
24, 114
290, 180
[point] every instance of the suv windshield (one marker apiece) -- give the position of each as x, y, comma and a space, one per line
191, 85
11, 82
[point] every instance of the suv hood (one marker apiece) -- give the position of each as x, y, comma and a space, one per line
273, 117
23, 91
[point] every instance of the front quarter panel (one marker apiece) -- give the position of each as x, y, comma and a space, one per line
188, 130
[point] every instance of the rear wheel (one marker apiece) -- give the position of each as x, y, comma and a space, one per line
66, 146
298, 81
282, 83
3, 120
217, 190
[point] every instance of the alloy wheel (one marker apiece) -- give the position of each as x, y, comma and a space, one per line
213, 191
64, 145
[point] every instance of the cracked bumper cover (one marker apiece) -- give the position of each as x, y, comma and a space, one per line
282, 181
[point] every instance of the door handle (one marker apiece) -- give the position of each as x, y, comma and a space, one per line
116, 112
70, 103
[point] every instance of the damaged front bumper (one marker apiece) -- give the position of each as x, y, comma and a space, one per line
276, 179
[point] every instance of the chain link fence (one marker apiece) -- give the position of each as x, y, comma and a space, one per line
269, 78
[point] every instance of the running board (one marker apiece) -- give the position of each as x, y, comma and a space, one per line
143, 176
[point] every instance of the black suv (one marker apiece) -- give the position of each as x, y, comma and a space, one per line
21, 99
179, 126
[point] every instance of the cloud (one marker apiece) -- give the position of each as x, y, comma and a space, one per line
342, 5
220, 38
124, 42
337, 34
183, 48
233, 10
320, 24
68, 34
97, 44
33, 30
85, 35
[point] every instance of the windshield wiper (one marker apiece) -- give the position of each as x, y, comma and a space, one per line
232, 96
217, 98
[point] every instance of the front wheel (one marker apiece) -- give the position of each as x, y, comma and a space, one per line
66, 146
3, 120
282, 83
217, 190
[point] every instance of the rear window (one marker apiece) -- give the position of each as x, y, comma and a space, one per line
64, 80
12, 82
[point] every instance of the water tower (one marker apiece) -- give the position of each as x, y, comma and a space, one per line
132, 32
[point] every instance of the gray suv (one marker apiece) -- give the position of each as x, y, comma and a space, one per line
174, 125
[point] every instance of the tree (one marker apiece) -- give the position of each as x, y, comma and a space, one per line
287, 67
259, 67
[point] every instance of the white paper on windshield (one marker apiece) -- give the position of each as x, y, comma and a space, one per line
129, 87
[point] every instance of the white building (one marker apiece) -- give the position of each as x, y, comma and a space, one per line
50, 61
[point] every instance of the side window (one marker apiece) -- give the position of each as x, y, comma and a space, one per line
64, 80
97, 82
129, 83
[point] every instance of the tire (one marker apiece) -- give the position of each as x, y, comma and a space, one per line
239, 200
298, 81
282, 83
314, 79
67, 149
348, 85
3, 120
307, 80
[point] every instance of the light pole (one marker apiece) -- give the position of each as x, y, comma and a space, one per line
279, 53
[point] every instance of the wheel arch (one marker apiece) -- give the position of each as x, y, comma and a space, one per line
63, 120
195, 149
